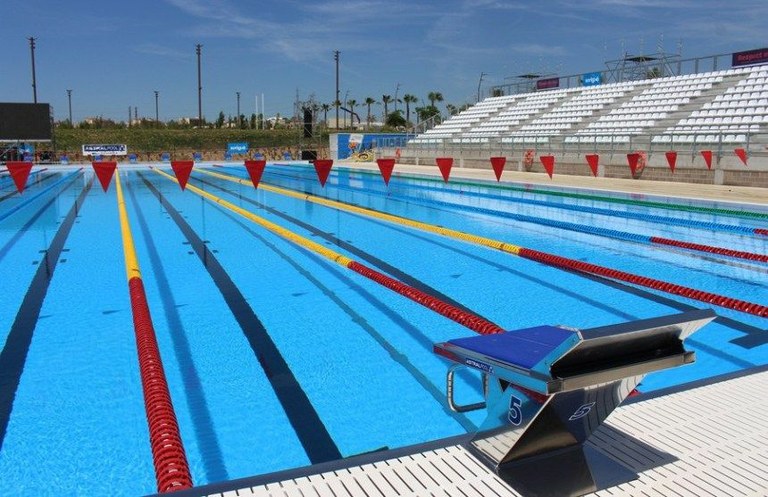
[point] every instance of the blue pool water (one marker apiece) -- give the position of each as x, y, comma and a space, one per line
229, 298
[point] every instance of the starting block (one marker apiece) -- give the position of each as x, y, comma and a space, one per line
548, 388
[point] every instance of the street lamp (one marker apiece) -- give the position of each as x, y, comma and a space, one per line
157, 113
69, 98
239, 122
198, 48
34, 82
337, 102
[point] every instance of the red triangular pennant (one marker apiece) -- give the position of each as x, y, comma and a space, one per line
19, 172
632, 160
593, 160
497, 163
707, 154
182, 169
386, 166
104, 171
255, 170
548, 161
671, 160
323, 169
742, 154
445, 164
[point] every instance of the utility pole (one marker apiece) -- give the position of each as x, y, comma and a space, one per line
69, 98
480, 83
34, 81
239, 122
397, 90
336, 54
198, 48
129, 116
157, 113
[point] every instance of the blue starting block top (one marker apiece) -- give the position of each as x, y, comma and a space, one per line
523, 357
524, 348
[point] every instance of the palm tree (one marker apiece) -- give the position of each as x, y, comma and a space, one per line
409, 99
452, 110
386, 100
326, 108
434, 96
351, 103
369, 101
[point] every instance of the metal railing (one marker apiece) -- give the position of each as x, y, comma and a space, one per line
717, 143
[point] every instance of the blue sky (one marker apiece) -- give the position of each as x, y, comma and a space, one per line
115, 54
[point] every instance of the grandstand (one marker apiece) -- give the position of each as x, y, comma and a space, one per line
717, 111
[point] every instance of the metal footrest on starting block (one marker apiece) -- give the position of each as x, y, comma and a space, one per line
548, 388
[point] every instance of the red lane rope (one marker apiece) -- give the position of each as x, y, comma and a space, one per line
761, 231
564, 262
708, 248
471, 321
171, 467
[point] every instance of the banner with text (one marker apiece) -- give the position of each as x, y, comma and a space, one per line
109, 149
591, 79
758, 56
545, 84
237, 147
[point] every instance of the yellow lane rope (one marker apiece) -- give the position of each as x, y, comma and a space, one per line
274, 228
129, 250
467, 237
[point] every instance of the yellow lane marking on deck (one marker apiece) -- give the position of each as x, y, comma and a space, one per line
467, 237
129, 250
274, 228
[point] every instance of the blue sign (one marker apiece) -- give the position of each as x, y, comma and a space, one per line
64, 160
165, 157
360, 147
237, 148
132, 158
591, 79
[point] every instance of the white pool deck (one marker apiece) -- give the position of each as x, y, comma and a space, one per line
709, 440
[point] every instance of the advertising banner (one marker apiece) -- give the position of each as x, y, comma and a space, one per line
111, 149
758, 56
545, 84
591, 79
237, 148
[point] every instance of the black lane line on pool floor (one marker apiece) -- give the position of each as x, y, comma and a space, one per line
24, 229
416, 334
357, 252
309, 428
14, 353
37, 182
200, 414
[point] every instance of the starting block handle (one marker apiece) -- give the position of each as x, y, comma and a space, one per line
449, 390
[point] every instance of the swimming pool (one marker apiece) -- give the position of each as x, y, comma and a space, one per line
231, 302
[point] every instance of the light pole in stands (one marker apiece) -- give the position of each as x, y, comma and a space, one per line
69, 99
480, 83
157, 113
198, 48
34, 82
